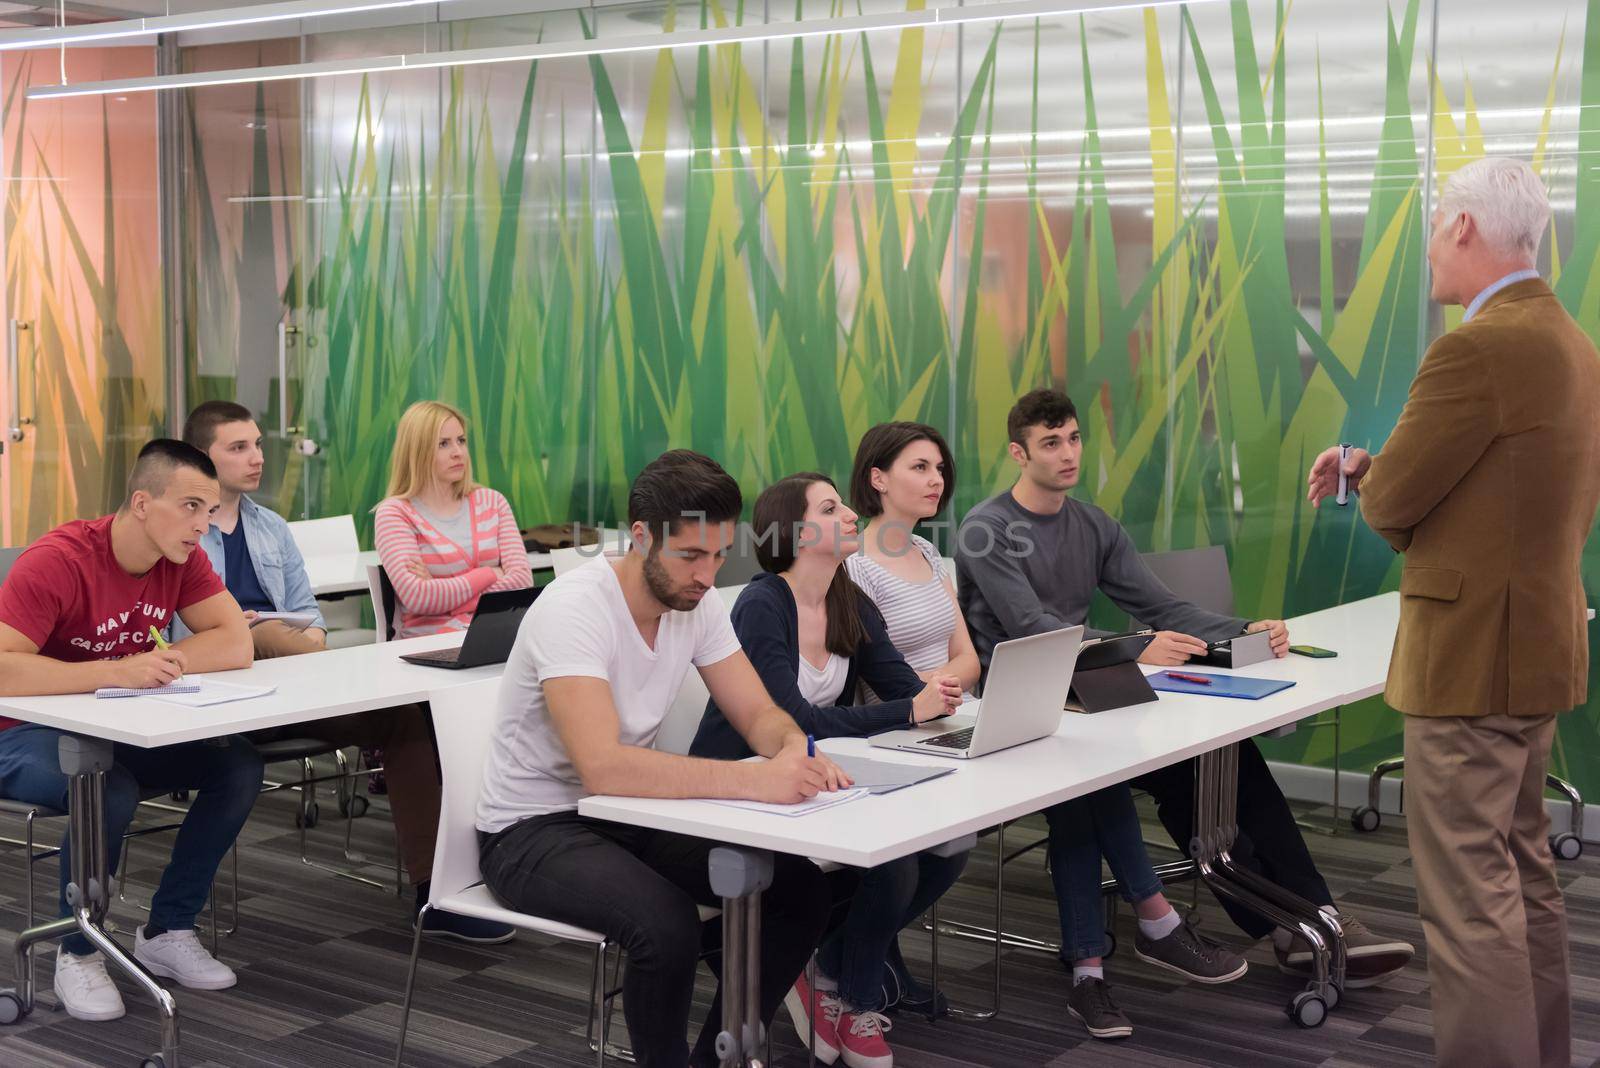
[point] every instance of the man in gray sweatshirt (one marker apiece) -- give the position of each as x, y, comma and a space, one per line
1030, 559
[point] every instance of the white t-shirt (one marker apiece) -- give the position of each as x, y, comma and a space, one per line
580, 626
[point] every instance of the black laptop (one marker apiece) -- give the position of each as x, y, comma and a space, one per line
490, 635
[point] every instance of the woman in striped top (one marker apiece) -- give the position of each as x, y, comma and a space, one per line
444, 540
903, 476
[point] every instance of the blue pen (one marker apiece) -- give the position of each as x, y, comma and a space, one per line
811, 746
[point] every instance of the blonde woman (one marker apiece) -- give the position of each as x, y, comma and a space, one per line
444, 540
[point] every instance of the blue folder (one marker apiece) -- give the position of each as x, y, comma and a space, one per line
1239, 686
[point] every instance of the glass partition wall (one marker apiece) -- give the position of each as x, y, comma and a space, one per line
1205, 221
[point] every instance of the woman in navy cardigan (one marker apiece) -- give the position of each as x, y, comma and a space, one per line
813, 638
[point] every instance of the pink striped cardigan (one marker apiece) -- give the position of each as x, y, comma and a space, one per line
461, 573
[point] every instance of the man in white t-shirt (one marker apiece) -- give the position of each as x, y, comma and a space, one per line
597, 664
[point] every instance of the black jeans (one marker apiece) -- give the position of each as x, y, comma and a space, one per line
1269, 843
639, 888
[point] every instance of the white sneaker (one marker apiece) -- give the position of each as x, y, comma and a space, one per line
179, 955
84, 989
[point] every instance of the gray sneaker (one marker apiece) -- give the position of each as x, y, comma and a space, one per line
1091, 1005
1185, 952
1370, 958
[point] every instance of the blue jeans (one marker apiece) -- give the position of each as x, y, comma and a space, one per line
1082, 831
225, 775
887, 898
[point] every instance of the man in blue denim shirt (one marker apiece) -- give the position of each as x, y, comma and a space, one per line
250, 547
254, 554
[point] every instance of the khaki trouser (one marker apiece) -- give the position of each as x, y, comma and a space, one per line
1486, 888
410, 762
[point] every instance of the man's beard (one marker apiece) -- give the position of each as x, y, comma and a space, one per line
656, 578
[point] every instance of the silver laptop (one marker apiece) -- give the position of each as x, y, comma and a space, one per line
1027, 684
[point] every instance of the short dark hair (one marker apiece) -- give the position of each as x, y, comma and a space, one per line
200, 429
157, 461
1048, 408
682, 486
778, 517
879, 448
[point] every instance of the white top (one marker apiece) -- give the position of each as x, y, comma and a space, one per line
1086, 753
920, 616
823, 687
581, 626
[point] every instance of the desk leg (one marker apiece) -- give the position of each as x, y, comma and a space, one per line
738, 876
85, 761
1216, 827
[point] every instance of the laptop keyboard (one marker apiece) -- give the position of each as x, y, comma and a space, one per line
439, 656
960, 739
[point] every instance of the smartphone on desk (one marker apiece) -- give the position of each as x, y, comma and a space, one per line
1313, 651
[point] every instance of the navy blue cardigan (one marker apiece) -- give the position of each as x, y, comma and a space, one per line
767, 622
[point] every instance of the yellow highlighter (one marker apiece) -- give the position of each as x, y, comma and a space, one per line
161, 643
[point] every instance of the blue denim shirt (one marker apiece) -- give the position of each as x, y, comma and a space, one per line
279, 567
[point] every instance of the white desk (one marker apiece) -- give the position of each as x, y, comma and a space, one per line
311, 687
1086, 753
346, 573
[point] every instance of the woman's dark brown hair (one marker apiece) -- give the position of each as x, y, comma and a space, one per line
778, 519
879, 448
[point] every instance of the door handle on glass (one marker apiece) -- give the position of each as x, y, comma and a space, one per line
284, 332
14, 380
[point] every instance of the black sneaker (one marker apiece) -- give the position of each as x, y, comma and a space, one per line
1185, 952
1090, 1003
902, 990
440, 924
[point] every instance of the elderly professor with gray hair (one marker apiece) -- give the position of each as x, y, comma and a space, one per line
1489, 485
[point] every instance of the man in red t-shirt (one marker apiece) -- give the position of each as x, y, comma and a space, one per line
76, 613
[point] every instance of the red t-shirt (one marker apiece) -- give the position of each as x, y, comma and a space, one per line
68, 595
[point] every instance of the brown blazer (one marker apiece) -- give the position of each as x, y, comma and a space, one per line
1489, 485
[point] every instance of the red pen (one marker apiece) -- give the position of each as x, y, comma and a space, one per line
1198, 680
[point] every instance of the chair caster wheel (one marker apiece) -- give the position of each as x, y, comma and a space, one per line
1308, 1009
1566, 845
307, 818
1111, 943
10, 1008
155, 1060
1365, 819
354, 807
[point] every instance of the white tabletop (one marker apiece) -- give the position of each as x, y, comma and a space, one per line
310, 687
336, 573
1087, 753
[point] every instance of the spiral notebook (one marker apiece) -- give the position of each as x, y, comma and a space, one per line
183, 685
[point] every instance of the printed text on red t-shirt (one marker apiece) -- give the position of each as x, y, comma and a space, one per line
116, 635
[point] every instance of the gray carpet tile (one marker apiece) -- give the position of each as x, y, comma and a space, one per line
321, 961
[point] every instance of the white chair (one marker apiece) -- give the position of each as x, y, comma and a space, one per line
564, 560
683, 718
333, 536
383, 601
457, 882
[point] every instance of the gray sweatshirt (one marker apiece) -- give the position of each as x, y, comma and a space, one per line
1020, 573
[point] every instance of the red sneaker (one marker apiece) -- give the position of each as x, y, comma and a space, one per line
861, 1040
810, 1008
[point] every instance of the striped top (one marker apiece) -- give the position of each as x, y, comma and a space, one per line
920, 616
461, 573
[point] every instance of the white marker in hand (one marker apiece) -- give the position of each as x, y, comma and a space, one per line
1344, 480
